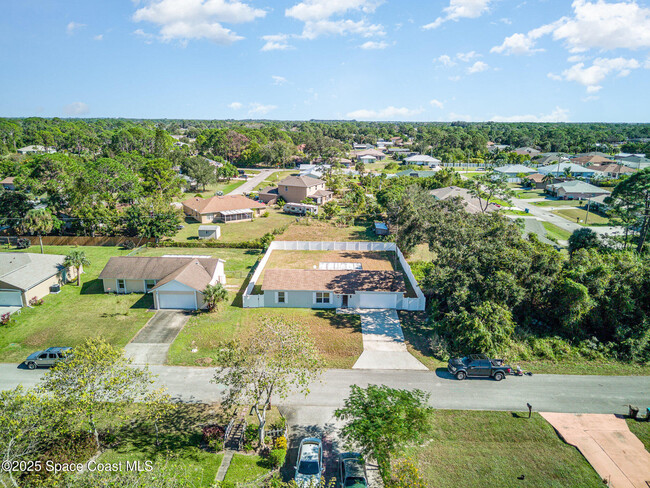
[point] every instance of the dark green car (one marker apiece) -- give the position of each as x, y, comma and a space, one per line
47, 358
352, 471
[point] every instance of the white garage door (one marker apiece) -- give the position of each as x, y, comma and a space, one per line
11, 299
377, 300
176, 300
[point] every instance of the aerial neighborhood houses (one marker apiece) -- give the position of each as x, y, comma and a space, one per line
36, 150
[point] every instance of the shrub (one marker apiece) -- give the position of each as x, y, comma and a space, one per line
279, 424
406, 475
265, 214
280, 442
216, 444
35, 302
5, 318
23, 243
213, 432
250, 435
277, 457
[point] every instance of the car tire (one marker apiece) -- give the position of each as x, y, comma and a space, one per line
498, 376
461, 375
31, 365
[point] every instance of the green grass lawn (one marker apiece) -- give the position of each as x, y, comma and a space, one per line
238, 231
525, 194
337, 337
224, 186
573, 214
493, 449
245, 468
558, 203
641, 429
556, 232
77, 313
273, 179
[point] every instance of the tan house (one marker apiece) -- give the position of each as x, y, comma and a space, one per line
472, 204
295, 189
576, 190
24, 276
8, 183
225, 209
176, 282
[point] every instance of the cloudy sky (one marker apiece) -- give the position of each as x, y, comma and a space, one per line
421, 60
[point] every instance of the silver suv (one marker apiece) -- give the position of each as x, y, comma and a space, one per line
47, 358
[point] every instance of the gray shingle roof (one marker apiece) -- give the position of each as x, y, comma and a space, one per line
26, 270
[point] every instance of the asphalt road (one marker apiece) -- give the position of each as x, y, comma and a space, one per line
551, 393
253, 181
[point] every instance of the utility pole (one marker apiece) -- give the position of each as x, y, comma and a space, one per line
587, 216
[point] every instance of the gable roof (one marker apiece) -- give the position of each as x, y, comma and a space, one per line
612, 168
301, 181
591, 159
574, 186
221, 204
514, 168
26, 270
193, 272
560, 167
335, 281
536, 177
472, 204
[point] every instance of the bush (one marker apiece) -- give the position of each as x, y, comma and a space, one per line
213, 433
277, 457
265, 214
280, 442
5, 318
216, 444
279, 424
23, 243
35, 302
250, 435
406, 475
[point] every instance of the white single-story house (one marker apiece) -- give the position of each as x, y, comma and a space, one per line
209, 232
176, 282
422, 160
511, 172
367, 159
576, 170
36, 149
24, 276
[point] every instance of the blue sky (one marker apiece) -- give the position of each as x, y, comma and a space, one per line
470, 60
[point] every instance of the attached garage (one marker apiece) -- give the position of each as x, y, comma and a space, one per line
377, 300
177, 300
11, 298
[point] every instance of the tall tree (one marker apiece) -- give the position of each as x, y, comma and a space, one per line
76, 259
636, 191
489, 186
39, 222
201, 170
14, 205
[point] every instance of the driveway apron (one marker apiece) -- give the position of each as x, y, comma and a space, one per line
151, 344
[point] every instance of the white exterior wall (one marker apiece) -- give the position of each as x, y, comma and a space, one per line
299, 299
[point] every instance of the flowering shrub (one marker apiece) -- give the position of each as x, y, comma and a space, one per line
280, 442
35, 301
406, 475
213, 432
5, 318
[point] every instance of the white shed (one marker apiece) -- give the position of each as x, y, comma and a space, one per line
209, 232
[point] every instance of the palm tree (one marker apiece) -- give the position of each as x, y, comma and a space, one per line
76, 259
567, 173
39, 222
214, 294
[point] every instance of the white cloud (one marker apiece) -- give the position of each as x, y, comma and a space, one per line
460, 9
315, 10
516, 44
259, 109
342, 27
591, 76
436, 103
235, 105
477, 67
576, 58
445, 60
99, 37
385, 113
148, 38
197, 19
72, 27
278, 80
76, 108
557, 115
276, 42
467, 57
374, 45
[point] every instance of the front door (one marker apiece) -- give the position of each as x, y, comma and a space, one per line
344, 303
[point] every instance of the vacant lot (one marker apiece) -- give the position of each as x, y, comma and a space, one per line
574, 214
337, 337
77, 313
238, 231
499, 449
315, 230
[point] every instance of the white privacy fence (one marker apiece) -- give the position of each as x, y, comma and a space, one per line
253, 301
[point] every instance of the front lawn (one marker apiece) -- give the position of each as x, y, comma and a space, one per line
525, 194
574, 214
641, 428
337, 337
317, 230
557, 232
558, 203
500, 449
76, 313
238, 231
246, 468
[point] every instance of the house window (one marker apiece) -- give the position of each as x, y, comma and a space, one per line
149, 284
120, 285
322, 297
281, 297
286, 188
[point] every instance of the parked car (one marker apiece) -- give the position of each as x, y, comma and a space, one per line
352, 471
309, 467
49, 357
478, 365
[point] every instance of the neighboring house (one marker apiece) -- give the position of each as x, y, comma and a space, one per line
176, 282
209, 232
612, 170
422, 160
471, 203
598, 203
537, 181
419, 174
381, 229
8, 183
511, 172
378, 155
575, 190
400, 150
588, 160
551, 157
300, 209
367, 159
530, 151
36, 150
496, 147
361, 147
576, 170
295, 189
225, 209
24, 276
636, 162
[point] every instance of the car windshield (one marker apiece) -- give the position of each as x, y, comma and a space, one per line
308, 467
356, 482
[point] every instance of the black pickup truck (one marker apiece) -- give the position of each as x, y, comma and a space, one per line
478, 365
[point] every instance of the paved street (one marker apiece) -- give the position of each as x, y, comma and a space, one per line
551, 393
252, 182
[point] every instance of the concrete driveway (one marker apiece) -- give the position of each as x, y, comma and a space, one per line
252, 182
383, 342
151, 344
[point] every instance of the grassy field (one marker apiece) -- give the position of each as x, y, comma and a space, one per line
246, 468
224, 186
525, 194
77, 313
420, 253
337, 337
641, 429
573, 214
316, 230
238, 231
481, 449
558, 203
556, 232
